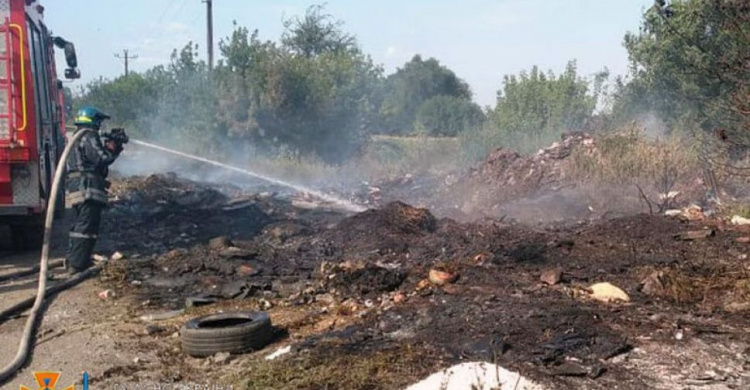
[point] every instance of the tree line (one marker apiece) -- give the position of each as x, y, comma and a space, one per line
315, 92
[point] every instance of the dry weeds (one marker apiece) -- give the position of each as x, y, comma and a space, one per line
334, 366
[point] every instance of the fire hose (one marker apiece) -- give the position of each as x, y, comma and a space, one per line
36, 303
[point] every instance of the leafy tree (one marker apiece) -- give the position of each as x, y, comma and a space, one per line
128, 99
447, 116
310, 95
317, 33
318, 104
690, 64
187, 105
410, 86
240, 77
535, 102
533, 109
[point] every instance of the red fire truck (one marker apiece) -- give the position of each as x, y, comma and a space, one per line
32, 118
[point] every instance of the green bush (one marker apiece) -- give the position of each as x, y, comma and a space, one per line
404, 92
447, 116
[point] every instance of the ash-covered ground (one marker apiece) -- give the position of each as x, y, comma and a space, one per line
351, 293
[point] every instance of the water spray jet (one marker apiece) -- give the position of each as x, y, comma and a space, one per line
343, 203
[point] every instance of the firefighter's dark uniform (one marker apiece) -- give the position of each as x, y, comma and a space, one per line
88, 167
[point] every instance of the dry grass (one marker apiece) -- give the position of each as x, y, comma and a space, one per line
332, 366
717, 289
392, 156
630, 155
383, 158
663, 170
743, 210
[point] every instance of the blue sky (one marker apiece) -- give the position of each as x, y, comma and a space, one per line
481, 40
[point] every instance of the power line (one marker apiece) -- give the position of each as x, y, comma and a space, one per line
126, 57
180, 8
164, 13
150, 32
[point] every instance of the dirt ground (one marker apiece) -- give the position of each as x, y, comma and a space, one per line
350, 294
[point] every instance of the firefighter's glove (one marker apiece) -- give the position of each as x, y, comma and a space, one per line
118, 137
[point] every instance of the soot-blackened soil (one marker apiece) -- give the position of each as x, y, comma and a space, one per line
362, 280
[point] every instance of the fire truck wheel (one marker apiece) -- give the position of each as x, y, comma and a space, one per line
27, 237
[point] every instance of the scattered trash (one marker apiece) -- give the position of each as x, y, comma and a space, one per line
480, 259
695, 235
107, 294
740, 221
162, 316
265, 304
669, 196
607, 292
98, 258
679, 335
117, 256
399, 297
423, 284
693, 213
743, 240
279, 352
673, 213
476, 376
551, 277
246, 270
440, 278
221, 358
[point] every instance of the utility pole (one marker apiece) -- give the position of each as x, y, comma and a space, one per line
210, 33
126, 57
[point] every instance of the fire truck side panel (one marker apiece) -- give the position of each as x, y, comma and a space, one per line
31, 150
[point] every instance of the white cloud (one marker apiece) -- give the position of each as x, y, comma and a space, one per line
390, 51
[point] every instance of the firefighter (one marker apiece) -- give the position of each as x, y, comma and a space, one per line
88, 167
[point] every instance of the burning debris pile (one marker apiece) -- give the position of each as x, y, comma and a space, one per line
158, 213
556, 184
383, 231
517, 176
399, 276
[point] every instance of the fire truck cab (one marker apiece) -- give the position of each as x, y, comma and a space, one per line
32, 118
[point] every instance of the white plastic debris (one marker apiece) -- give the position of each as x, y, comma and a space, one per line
738, 220
476, 375
279, 352
669, 195
608, 292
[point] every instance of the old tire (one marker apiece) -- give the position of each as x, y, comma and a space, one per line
226, 332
